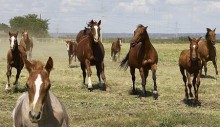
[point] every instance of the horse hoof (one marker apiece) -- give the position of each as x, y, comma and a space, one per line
155, 95
90, 89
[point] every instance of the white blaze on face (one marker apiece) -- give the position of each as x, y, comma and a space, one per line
120, 41
37, 83
12, 42
194, 46
96, 33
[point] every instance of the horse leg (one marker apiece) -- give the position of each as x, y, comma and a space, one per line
16, 80
205, 68
89, 73
189, 84
98, 72
83, 68
143, 78
154, 77
215, 65
119, 53
7, 87
196, 83
132, 72
111, 55
103, 76
184, 80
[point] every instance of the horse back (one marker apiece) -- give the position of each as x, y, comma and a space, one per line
81, 34
206, 51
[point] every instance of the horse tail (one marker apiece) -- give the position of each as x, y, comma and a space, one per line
124, 62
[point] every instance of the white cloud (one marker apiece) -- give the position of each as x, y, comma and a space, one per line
178, 2
70, 5
213, 7
137, 5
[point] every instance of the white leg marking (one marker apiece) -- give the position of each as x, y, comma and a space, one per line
38, 83
89, 82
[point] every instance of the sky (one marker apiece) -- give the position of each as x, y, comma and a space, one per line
119, 16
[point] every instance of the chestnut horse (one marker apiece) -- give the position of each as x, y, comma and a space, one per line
71, 49
190, 63
207, 50
90, 51
142, 55
14, 59
27, 43
116, 49
38, 107
82, 33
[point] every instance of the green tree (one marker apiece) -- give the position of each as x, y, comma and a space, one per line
36, 26
4, 27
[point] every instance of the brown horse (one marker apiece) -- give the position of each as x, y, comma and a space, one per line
14, 59
142, 55
27, 43
90, 51
207, 50
190, 63
71, 49
116, 49
38, 107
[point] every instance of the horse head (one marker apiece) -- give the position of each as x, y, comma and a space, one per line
25, 34
120, 41
38, 85
68, 45
95, 30
139, 35
194, 55
210, 36
13, 40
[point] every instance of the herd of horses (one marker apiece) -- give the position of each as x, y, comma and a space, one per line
39, 107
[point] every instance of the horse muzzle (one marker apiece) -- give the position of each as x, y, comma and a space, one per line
96, 40
35, 116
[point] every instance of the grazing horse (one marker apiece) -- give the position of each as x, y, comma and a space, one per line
142, 55
27, 43
38, 107
71, 49
14, 59
207, 50
90, 51
190, 63
116, 49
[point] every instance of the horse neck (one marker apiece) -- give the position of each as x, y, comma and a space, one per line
146, 42
15, 49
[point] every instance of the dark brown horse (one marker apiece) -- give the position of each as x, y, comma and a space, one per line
38, 107
27, 43
190, 64
14, 59
71, 49
90, 51
207, 50
143, 56
116, 49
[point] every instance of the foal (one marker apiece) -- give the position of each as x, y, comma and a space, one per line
27, 43
190, 63
38, 107
207, 50
71, 49
14, 59
116, 49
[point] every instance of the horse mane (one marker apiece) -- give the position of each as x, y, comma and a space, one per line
139, 25
207, 34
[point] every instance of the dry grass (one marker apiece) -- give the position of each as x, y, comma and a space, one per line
117, 107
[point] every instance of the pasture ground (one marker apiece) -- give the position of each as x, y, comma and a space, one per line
117, 107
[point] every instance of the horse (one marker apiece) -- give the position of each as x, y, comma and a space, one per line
190, 63
14, 59
27, 43
90, 51
207, 50
71, 49
38, 107
116, 49
143, 56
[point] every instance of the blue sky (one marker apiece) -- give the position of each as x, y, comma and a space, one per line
120, 16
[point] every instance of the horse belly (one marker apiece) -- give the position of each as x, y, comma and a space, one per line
133, 59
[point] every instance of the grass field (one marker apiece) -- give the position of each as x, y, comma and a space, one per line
117, 107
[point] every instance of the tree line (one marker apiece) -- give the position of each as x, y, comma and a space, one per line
36, 26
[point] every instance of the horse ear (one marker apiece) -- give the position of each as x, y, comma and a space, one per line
199, 39
146, 27
214, 29
189, 39
208, 29
28, 65
99, 23
49, 65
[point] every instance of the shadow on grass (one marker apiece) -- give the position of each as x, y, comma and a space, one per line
192, 102
207, 76
19, 90
73, 66
96, 86
139, 93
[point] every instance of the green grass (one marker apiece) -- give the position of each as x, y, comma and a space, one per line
117, 107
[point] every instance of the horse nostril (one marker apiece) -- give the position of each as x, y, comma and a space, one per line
38, 116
